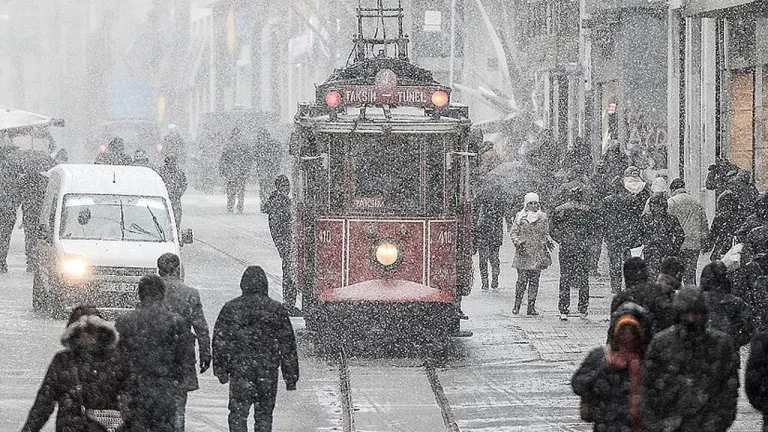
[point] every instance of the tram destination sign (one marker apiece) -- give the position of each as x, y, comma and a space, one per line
416, 96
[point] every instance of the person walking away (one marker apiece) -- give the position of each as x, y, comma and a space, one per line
530, 235
690, 377
638, 291
279, 209
173, 144
141, 159
32, 186
185, 301
154, 344
252, 338
756, 375
755, 219
573, 225
609, 380
489, 236
692, 217
10, 200
727, 313
176, 182
87, 375
115, 154
235, 166
622, 216
662, 234
664, 290
728, 218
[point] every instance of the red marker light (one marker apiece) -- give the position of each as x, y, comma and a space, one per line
102, 148
333, 99
440, 98
159, 147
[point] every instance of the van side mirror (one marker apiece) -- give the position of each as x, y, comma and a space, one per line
187, 237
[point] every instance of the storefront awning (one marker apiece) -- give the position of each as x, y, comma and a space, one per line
721, 8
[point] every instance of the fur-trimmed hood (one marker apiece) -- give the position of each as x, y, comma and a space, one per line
106, 334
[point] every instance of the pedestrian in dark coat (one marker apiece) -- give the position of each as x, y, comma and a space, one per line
728, 217
252, 338
691, 373
727, 313
279, 209
488, 234
756, 376
185, 301
662, 234
235, 166
530, 235
88, 375
154, 344
690, 213
115, 154
756, 218
176, 182
573, 225
638, 291
622, 221
609, 380
31, 164
10, 200
664, 290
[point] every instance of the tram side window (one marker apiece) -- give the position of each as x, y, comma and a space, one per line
435, 176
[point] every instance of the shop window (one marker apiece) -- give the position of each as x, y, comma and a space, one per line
741, 149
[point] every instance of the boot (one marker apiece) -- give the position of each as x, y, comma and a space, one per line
516, 309
532, 310
484, 279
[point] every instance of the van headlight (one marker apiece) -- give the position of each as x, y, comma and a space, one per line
74, 266
387, 254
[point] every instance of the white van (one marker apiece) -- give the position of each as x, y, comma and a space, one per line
102, 227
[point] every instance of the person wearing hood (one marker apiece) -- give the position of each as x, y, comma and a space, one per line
691, 372
280, 211
662, 234
756, 375
488, 213
692, 217
86, 375
609, 380
530, 235
185, 301
115, 154
154, 344
235, 166
573, 226
727, 313
252, 339
728, 217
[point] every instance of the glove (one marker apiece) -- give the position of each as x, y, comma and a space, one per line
290, 386
223, 379
205, 363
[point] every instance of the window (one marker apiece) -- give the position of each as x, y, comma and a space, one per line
115, 218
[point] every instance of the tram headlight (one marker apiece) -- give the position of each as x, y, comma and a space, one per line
387, 254
440, 98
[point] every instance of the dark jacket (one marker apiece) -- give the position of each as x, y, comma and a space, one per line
728, 313
185, 301
175, 181
488, 225
253, 335
605, 386
662, 233
755, 219
113, 158
728, 216
664, 293
572, 225
100, 374
756, 376
690, 375
622, 213
278, 207
236, 160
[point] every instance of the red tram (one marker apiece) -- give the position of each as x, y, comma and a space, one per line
383, 205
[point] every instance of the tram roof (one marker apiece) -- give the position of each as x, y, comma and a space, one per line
402, 120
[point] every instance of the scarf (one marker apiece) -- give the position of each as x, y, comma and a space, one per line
530, 216
630, 360
634, 185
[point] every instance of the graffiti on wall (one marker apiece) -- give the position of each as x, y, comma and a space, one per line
647, 142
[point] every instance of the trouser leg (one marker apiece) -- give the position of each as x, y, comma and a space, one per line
495, 261
566, 258
522, 285
231, 194
181, 408
240, 401
581, 279
240, 196
595, 251
482, 254
264, 406
616, 264
690, 259
30, 216
7, 221
533, 288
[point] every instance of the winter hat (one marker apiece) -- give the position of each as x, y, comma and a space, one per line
632, 171
689, 300
530, 197
659, 184
714, 277
81, 311
676, 184
254, 281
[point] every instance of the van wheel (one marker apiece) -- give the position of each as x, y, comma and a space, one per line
39, 297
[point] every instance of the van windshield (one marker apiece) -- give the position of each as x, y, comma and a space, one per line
115, 218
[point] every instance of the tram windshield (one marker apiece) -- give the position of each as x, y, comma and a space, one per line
388, 175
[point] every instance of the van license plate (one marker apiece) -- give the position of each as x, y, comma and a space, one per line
116, 287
